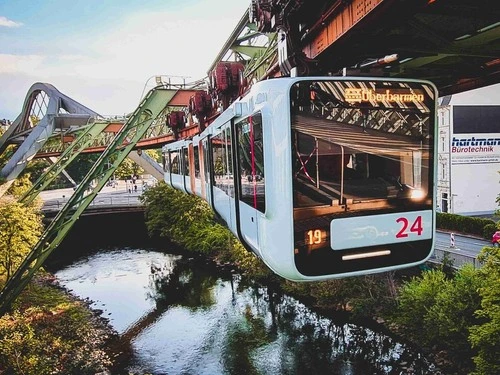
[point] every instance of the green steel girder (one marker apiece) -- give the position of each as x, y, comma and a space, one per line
134, 129
68, 155
158, 128
254, 52
264, 57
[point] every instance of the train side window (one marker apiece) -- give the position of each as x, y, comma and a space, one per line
251, 161
175, 167
166, 162
218, 157
222, 163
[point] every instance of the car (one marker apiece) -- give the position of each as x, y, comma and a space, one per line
495, 239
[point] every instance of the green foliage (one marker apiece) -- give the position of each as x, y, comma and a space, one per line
363, 296
189, 222
448, 320
5, 156
155, 154
20, 186
79, 167
414, 301
460, 314
464, 224
53, 336
170, 213
127, 169
20, 228
37, 167
488, 230
485, 336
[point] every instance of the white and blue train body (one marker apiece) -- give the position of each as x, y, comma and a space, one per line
320, 177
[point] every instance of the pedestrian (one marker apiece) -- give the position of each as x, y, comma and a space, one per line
135, 188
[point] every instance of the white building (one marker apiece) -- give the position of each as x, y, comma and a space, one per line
468, 178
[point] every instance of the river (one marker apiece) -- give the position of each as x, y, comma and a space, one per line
182, 316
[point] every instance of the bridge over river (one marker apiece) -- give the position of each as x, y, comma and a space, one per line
119, 198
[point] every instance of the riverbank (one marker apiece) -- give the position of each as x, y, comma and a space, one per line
51, 331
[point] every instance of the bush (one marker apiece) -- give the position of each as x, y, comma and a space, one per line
464, 224
54, 336
414, 300
189, 222
485, 336
488, 230
448, 320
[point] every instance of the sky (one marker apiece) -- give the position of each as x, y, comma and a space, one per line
104, 54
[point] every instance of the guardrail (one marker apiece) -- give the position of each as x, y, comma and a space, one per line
107, 201
455, 257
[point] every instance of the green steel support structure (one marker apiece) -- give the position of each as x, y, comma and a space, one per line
74, 149
134, 129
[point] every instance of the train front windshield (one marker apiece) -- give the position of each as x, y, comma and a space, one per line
362, 154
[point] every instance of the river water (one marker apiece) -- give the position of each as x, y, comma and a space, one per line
183, 317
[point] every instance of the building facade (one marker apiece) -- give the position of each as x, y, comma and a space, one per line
468, 171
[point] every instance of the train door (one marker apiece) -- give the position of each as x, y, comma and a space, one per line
185, 170
250, 173
196, 181
192, 174
201, 166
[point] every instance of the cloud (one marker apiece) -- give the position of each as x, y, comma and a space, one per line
158, 43
20, 63
4, 21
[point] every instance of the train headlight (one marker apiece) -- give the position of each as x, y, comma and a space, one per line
412, 193
417, 194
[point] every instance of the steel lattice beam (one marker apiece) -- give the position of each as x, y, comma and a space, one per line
134, 129
83, 141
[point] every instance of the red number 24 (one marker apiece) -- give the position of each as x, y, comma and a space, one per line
416, 227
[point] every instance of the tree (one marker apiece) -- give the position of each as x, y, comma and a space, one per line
79, 167
20, 186
415, 299
128, 168
485, 337
155, 154
20, 228
448, 320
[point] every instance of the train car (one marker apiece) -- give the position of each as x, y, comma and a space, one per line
321, 177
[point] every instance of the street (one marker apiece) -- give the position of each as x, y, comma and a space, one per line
122, 194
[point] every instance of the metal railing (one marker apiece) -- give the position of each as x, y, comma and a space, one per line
455, 257
122, 200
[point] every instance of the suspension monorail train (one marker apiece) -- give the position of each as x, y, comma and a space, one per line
320, 177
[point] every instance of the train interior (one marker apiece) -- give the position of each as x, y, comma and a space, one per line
347, 167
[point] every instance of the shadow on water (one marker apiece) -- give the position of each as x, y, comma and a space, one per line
182, 316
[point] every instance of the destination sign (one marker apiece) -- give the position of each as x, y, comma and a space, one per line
359, 95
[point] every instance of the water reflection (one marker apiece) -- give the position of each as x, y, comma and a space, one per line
183, 318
